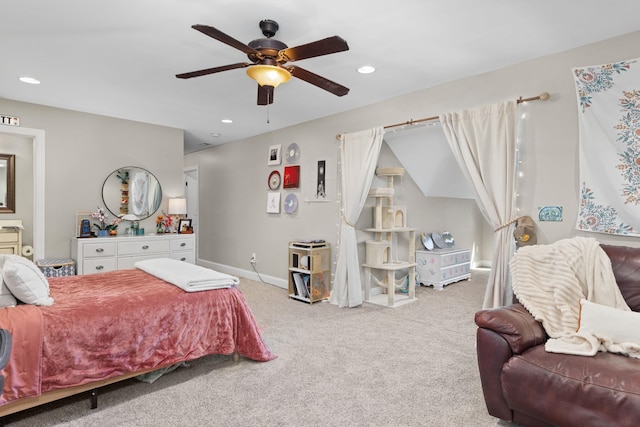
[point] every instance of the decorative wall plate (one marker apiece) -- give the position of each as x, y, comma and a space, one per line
274, 180
290, 203
293, 153
438, 240
550, 213
427, 241
448, 239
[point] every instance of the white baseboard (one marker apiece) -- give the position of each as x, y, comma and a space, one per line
482, 264
247, 274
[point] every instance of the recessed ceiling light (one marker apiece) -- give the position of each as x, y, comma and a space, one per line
30, 80
366, 69
215, 134
226, 121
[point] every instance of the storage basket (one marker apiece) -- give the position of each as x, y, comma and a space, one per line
57, 267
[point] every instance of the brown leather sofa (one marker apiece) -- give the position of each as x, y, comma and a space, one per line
523, 383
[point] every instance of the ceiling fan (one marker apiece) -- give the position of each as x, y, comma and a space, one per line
268, 58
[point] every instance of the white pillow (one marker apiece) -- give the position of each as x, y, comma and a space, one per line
6, 297
619, 326
25, 281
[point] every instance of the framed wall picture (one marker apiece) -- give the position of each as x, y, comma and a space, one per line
291, 177
83, 224
320, 189
273, 202
274, 155
184, 226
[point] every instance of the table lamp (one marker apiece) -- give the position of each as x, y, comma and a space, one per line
177, 207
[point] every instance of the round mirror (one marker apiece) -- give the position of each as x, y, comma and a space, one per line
132, 191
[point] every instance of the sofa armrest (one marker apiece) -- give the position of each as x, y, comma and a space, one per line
515, 324
502, 332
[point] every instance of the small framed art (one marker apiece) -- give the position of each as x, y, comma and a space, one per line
320, 189
274, 155
83, 224
273, 202
184, 226
291, 177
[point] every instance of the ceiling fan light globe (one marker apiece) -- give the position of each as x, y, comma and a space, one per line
268, 75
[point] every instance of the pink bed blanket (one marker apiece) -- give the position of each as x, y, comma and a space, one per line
104, 325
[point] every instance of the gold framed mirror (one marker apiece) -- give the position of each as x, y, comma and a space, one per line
7, 183
132, 190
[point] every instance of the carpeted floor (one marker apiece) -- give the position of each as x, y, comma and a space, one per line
414, 365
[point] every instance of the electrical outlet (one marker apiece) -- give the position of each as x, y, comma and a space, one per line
253, 258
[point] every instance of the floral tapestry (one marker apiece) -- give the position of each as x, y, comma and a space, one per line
608, 98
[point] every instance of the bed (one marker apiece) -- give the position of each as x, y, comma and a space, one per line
108, 327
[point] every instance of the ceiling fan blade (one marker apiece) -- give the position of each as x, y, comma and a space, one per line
265, 95
212, 70
318, 48
321, 82
224, 38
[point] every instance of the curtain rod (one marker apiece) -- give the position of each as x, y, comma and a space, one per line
543, 97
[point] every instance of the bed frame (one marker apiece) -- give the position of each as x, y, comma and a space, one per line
53, 395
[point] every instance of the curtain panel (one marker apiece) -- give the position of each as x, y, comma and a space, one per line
359, 154
483, 141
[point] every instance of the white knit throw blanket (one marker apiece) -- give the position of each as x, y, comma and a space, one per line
549, 280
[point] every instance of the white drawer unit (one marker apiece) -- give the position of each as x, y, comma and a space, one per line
11, 236
440, 267
102, 254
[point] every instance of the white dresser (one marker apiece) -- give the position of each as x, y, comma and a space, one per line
440, 267
101, 254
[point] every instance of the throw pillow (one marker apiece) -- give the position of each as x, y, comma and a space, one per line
6, 297
25, 281
619, 326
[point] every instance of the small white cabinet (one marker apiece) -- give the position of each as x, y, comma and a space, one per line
11, 236
440, 267
102, 254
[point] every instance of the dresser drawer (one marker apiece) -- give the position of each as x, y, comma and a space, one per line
455, 272
143, 247
182, 244
8, 236
442, 258
9, 250
99, 249
455, 258
187, 256
99, 265
439, 277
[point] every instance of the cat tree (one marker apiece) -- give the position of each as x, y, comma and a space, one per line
382, 251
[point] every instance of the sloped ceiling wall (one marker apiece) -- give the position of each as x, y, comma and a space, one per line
425, 154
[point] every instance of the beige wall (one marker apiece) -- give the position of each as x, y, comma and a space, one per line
233, 177
81, 150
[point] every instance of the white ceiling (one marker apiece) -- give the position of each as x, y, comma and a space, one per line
119, 57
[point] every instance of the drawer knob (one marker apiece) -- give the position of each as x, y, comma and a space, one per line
183, 244
99, 267
99, 250
145, 247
